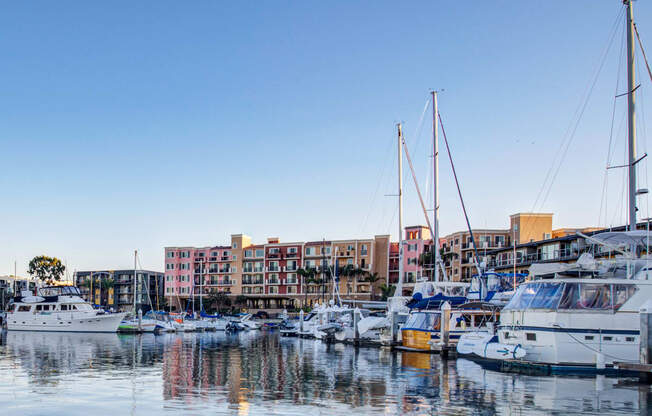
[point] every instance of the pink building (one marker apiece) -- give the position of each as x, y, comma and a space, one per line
416, 240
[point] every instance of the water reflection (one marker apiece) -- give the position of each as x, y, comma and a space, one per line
258, 373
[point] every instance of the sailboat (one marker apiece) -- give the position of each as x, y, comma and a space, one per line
135, 322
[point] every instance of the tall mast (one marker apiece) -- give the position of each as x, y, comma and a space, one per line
435, 182
135, 279
631, 114
399, 286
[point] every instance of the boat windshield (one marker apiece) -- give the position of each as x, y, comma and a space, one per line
423, 321
571, 296
59, 291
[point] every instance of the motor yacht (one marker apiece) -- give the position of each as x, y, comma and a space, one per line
60, 309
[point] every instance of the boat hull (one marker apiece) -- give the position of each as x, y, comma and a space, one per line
62, 323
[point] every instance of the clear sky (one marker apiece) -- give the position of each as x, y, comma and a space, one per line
139, 125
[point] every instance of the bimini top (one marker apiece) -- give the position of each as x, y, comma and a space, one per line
623, 238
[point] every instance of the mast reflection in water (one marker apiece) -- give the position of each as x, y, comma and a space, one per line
257, 373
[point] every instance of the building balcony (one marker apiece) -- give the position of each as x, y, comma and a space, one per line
273, 269
273, 255
291, 281
292, 255
273, 282
252, 282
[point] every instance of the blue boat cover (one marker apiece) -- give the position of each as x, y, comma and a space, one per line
434, 302
205, 315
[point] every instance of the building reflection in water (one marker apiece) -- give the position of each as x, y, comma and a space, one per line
255, 373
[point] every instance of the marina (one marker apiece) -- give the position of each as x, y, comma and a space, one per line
252, 373
319, 310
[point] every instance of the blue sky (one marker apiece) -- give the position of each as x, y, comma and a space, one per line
140, 125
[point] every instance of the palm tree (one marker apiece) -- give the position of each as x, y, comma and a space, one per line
220, 298
387, 291
106, 283
326, 274
240, 300
307, 275
372, 278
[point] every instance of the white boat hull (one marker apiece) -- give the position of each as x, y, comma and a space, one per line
485, 345
64, 322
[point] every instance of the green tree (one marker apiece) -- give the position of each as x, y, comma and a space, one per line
47, 269
240, 300
372, 278
307, 275
106, 283
387, 291
219, 298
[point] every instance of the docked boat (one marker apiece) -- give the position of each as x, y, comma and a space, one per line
484, 343
131, 324
425, 329
584, 314
60, 309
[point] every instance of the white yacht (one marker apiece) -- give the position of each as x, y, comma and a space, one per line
583, 314
60, 309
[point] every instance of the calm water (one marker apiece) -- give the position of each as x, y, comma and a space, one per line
259, 373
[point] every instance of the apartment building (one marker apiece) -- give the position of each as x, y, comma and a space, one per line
115, 288
269, 275
563, 245
458, 253
280, 275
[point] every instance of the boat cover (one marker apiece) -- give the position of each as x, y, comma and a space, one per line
434, 302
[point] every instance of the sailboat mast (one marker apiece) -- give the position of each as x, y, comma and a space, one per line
435, 194
399, 286
631, 114
135, 278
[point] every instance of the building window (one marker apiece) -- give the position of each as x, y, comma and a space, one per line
310, 251
292, 250
260, 252
349, 261
235, 257
248, 253
170, 254
235, 245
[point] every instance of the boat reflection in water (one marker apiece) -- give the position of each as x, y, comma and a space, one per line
252, 373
